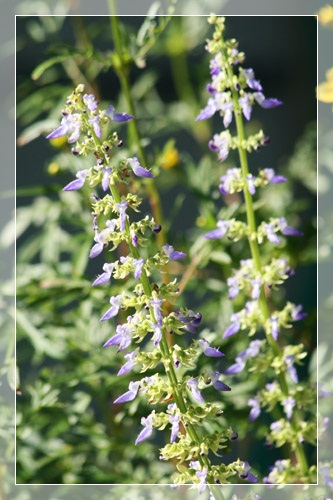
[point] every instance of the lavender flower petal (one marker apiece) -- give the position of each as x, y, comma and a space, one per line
171, 253
222, 227
255, 410
266, 103
77, 183
209, 351
129, 395
147, 430
117, 117
90, 101
106, 276
137, 168
127, 367
234, 327
94, 121
193, 385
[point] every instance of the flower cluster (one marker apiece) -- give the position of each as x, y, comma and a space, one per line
148, 323
233, 92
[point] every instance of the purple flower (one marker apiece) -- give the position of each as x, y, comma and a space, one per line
122, 338
147, 430
117, 117
220, 145
246, 106
156, 305
200, 474
193, 386
250, 184
233, 287
271, 177
231, 175
251, 352
222, 227
279, 466
114, 309
324, 470
217, 384
209, 351
227, 108
208, 111
287, 230
101, 241
174, 421
191, 320
105, 179
274, 321
77, 183
238, 366
171, 253
255, 409
289, 360
234, 327
130, 394
296, 312
137, 168
210, 89
134, 239
70, 124
128, 366
270, 233
106, 276
246, 474
322, 393
138, 264
276, 426
250, 80
215, 65
94, 121
266, 103
157, 337
256, 284
288, 405
90, 102
122, 206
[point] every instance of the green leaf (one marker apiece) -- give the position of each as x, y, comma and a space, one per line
41, 68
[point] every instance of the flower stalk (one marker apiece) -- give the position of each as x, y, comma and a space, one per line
231, 98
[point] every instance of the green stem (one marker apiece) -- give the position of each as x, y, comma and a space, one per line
254, 247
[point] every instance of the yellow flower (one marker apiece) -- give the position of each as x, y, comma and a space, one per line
325, 89
53, 168
59, 142
169, 157
325, 15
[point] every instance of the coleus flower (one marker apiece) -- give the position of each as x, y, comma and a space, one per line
79, 182
147, 430
130, 394
137, 168
114, 309
193, 386
201, 474
172, 253
70, 124
117, 117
